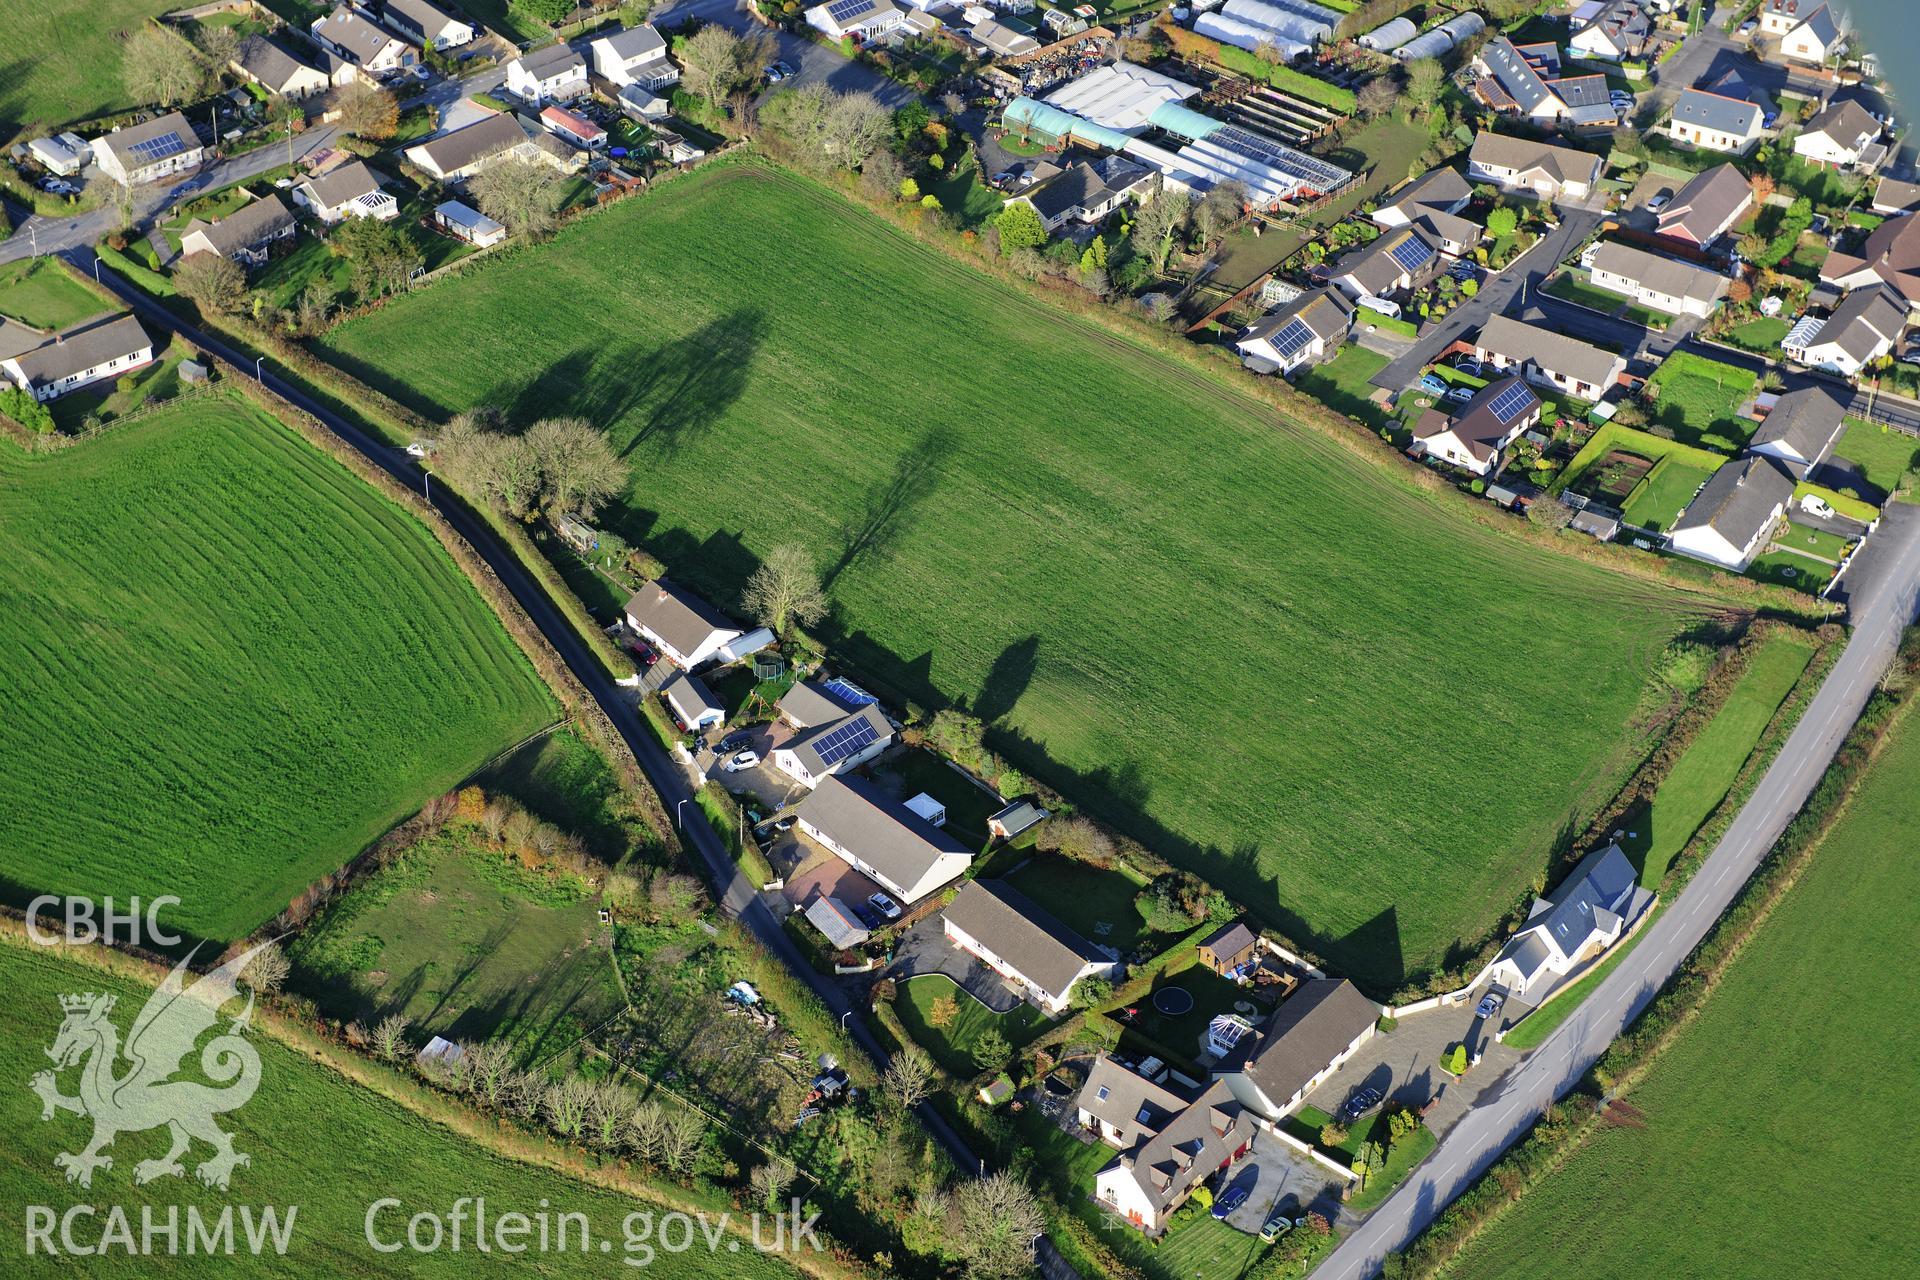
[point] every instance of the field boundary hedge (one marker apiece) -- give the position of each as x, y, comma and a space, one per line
1614, 435
1625, 1063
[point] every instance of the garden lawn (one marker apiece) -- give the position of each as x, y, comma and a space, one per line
1344, 383
1095, 902
1665, 493
1740, 1110
39, 292
1182, 1032
63, 60
155, 382
1571, 287
1135, 572
1699, 399
1789, 570
952, 1046
1884, 456
228, 665
316, 1141
1762, 335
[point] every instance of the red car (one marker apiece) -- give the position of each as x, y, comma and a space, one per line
643, 651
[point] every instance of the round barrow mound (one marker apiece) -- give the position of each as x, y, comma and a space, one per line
1173, 1001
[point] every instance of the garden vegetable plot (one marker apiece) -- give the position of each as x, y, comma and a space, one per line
227, 664
1279, 665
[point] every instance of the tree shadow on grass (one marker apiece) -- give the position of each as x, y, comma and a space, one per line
891, 506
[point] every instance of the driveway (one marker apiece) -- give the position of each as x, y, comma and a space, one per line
1404, 1065
924, 949
1283, 1172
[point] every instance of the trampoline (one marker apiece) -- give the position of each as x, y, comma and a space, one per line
1173, 1001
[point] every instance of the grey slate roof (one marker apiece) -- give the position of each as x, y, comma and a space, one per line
1230, 939
418, 15
1739, 500
675, 614
349, 31
251, 224
1808, 421
1864, 320
452, 152
268, 63
1666, 276
1845, 121
554, 60
1013, 927
834, 919
641, 43
690, 696
808, 704
1324, 311
1085, 184
346, 183
122, 141
84, 346
806, 746
1511, 72
1373, 268
1894, 196
1526, 155
1599, 887
882, 832
1191, 1146
1704, 109
1554, 352
1587, 98
1443, 188
1130, 1102
1305, 1033
1529, 955
1018, 817
1822, 24
1707, 202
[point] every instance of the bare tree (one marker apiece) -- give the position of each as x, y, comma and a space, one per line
771, 1180
606, 1111
487, 1064
367, 111
854, 127
1219, 209
268, 968
565, 1105
910, 1079
643, 1132
707, 62
1160, 220
682, 1131
214, 282
218, 46
786, 585
579, 469
1376, 98
524, 194
993, 1226
389, 1039
158, 66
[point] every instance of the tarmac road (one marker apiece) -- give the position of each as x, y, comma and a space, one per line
1885, 588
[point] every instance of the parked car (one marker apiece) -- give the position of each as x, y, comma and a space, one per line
1236, 1194
1432, 385
742, 762
774, 75
1002, 180
1747, 28
733, 742
1284, 1217
1361, 1103
884, 905
640, 649
1656, 204
1489, 1005
422, 73
419, 449
1460, 395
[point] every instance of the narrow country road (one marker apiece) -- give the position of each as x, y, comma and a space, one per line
738, 898
1884, 587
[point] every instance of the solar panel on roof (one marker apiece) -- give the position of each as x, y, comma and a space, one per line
848, 739
841, 10
1293, 337
848, 693
159, 148
1511, 403
1309, 170
1411, 254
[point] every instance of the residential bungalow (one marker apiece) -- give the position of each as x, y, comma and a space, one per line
634, 56
1710, 202
1548, 358
693, 705
1663, 284
685, 628
464, 223
249, 235
881, 839
163, 146
1716, 122
1123, 1108
810, 704
1086, 192
1433, 203
266, 64
426, 25
839, 746
573, 127
1402, 259
1733, 516
1814, 39
1228, 947
1863, 328
860, 20
557, 71
1619, 32
352, 36
1309, 1036
1892, 197
351, 191
466, 151
1474, 438
1039, 956
1154, 1177
49, 365
1801, 428
1523, 164
1891, 257
1581, 918
1015, 820
1297, 335
1845, 134
1589, 102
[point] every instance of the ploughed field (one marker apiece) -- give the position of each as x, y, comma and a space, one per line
323, 1149
1741, 1112
1353, 708
227, 664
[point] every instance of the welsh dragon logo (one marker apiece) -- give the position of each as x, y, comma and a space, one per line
145, 1095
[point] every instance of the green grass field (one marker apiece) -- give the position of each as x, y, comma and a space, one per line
466, 944
318, 1142
1204, 623
1699, 399
228, 665
39, 292
1740, 1171
63, 60
1665, 493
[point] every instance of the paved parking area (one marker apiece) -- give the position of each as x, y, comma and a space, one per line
1283, 1172
924, 949
1404, 1065
809, 869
